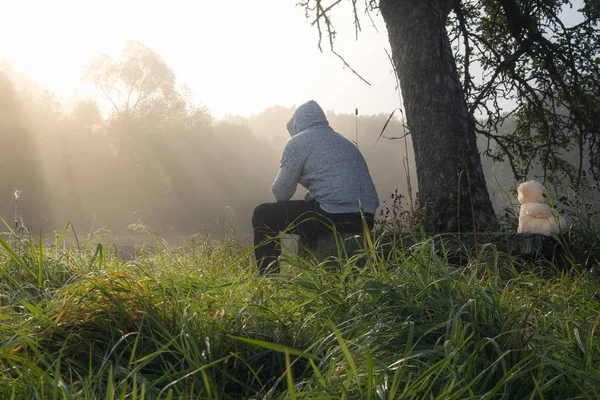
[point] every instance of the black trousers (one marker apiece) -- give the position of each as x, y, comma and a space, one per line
305, 218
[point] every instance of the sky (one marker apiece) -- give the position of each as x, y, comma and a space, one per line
237, 56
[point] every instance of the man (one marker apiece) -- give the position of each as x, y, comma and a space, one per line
337, 178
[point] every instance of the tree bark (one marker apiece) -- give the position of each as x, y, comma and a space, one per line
449, 172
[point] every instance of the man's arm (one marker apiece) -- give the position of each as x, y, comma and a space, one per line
292, 164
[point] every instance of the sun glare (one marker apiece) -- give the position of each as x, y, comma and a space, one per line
237, 57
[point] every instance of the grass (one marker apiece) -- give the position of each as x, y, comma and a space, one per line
196, 322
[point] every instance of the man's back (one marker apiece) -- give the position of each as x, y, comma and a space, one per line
330, 166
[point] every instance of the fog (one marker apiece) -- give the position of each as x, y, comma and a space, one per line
142, 155
158, 162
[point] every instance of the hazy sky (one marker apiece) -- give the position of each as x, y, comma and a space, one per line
238, 56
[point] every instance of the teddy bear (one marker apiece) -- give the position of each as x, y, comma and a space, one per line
536, 215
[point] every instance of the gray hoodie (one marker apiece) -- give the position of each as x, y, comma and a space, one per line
327, 164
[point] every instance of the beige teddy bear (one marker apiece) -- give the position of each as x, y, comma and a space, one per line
536, 215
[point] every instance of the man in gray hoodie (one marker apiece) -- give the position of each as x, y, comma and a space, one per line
336, 176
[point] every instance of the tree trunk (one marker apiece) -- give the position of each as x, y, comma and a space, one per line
449, 172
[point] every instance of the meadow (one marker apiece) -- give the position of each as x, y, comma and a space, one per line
196, 322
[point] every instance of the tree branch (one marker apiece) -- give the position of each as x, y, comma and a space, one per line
322, 14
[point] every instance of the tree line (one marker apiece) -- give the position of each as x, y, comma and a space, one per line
143, 154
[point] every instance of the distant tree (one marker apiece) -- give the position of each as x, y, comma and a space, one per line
270, 123
143, 96
86, 113
524, 50
138, 85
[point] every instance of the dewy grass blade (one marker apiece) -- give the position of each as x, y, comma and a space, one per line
60, 237
370, 374
40, 262
289, 377
275, 347
110, 386
12, 253
346, 352
201, 369
16, 258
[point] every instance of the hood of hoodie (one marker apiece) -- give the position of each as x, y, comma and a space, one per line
306, 116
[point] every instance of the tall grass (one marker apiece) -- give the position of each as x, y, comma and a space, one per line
79, 322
